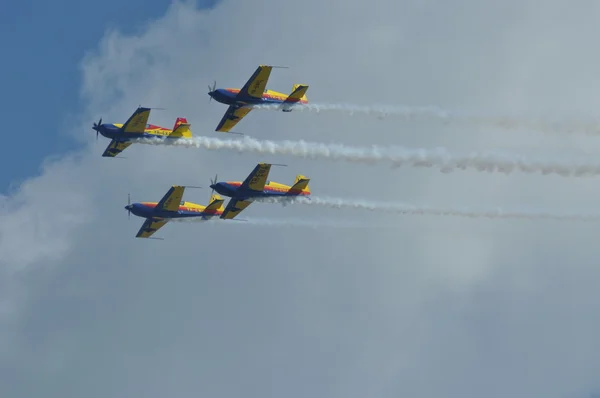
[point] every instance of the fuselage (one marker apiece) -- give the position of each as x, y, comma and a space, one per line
114, 131
229, 96
186, 209
232, 189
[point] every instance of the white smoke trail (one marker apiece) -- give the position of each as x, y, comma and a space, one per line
506, 122
402, 208
397, 157
283, 222
378, 110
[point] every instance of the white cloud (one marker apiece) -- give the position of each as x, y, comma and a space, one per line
436, 306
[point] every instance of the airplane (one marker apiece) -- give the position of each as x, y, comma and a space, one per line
253, 93
255, 186
169, 207
137, 127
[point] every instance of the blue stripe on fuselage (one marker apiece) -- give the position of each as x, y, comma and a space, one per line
228, 98
232, 191
144, 211
113, 132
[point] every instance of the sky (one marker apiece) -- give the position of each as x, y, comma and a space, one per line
41, 78
415, 306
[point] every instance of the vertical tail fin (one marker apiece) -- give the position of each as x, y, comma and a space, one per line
215, 204
179, 121
300, 184
181, 128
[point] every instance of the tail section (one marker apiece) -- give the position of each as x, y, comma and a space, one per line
181, 128
300, 185
178, 121
298, 95
215, 204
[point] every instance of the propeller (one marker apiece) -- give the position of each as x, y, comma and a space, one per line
213, 182
97, 127
211, 89
128, 206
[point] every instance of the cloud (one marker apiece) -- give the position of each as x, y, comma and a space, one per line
435, 306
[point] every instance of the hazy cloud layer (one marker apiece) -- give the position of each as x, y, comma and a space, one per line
436, 306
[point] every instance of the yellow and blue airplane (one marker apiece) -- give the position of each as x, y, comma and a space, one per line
255, 186
169, 207
137, 127
253, 93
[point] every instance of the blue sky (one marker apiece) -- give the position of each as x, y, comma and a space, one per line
40, 79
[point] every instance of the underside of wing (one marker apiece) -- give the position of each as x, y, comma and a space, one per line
150, 226
232, 116
257, 179
115, 147
172, 199
137, 122
255, 86
235, 207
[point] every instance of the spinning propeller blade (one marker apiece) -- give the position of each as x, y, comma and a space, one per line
96, 127
211, 89
213, 183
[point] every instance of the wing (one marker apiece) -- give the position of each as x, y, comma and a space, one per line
137, 122
257, 179
172, 199
150, 226
235, 207
115, 147
233, 115
255, 86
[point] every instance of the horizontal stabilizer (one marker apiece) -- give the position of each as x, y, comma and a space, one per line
298, 95
215, 204
300, 184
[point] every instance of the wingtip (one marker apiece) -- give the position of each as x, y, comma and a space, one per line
274, 66
149, 108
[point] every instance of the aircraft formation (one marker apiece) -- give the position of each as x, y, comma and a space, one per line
257, 187
241, 194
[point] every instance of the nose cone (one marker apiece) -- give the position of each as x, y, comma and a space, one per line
220, 188
128, 207
218, 94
